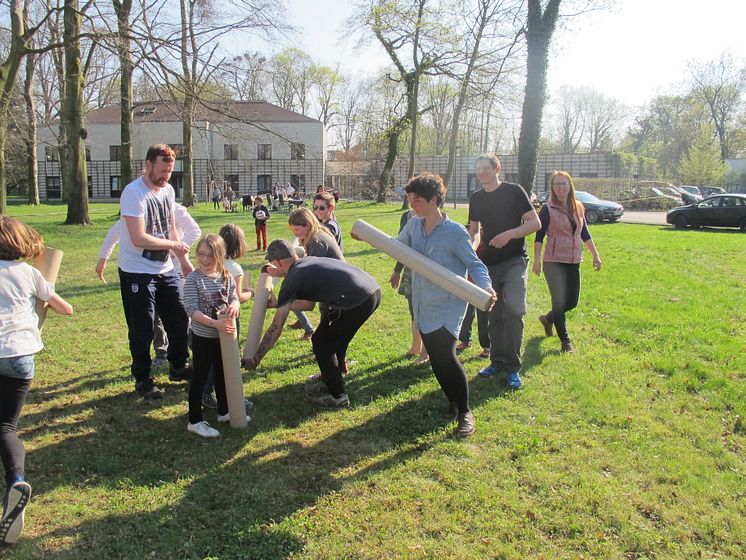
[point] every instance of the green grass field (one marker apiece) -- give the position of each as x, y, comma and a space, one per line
629, 448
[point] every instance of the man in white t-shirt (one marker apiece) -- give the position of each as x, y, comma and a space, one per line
146, 271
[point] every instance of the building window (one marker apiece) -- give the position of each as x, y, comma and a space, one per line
231, 151
115, 153
299, 184
264, 151
115, 190
231, 181
89, 181
52, 153
54, 189
297, 151
264, 183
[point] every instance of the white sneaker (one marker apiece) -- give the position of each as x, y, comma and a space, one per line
227, 417
203, 429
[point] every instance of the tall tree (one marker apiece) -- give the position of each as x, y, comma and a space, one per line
32, 169
540, 25
123, 8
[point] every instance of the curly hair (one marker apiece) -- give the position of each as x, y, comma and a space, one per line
427, 185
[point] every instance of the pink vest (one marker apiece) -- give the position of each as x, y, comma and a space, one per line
562, 245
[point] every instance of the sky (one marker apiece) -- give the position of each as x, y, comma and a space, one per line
636, 50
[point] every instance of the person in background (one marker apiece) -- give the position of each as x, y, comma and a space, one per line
324, 206
261, 215
21, 285
566, 231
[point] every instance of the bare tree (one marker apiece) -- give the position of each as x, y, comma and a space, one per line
571, 119
327, 83
349, 121
603, 117
719, 84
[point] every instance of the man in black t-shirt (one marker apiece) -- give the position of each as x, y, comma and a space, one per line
351, 296
505, 216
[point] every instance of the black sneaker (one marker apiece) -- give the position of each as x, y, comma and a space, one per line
16, 499
147, 390
183, 373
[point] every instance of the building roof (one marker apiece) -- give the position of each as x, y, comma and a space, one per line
217, 111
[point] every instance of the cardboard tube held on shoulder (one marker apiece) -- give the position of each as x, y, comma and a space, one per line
48, 264
258, 313
437, 274
232, 376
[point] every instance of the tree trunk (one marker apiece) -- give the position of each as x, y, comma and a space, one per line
8, 73
539, 32
76, 176
188, 179
32, 170
391, 154
413, 95
123, 9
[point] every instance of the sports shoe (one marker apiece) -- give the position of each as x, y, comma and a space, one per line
467, 425
16, 501
147, 390
547, 324
203, 429
307, 335
183, 373
317, 388
567, 346
295, 326
158, 361
514, 380
329, 401
452, 412
489, 371
209, 401
227, 417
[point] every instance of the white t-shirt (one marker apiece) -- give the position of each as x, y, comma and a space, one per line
234, 269
20, 285
156, 209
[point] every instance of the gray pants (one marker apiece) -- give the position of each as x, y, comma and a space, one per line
160, 339
509, 280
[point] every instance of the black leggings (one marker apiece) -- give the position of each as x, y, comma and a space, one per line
205, 355
441, 347
563, 280
13, 393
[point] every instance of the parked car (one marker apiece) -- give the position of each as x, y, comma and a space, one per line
711, 191
723, 210
597, 210
540, 199
689, 193
651, 196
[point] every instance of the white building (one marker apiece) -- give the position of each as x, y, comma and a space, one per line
250, 145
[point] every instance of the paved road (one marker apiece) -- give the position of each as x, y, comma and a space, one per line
647, 218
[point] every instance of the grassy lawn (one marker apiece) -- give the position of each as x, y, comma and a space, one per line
629, 448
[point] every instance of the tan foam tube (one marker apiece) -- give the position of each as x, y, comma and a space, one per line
232, 376
48, 264
258, 313
437, 274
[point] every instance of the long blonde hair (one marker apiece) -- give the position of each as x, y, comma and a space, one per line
574, 206
216, 244
304, 217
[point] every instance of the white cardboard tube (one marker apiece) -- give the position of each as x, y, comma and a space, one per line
232, 376
258, 313
48, 263
437, 274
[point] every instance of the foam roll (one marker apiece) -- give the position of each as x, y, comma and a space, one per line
258, 313
232, 376
48, 264
437, 274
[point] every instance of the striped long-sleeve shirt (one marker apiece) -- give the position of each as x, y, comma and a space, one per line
207, 294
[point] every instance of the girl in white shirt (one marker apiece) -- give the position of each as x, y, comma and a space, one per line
20, 286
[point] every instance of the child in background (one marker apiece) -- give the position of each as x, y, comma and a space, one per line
20, 286
261, 215
207, 290
235, 248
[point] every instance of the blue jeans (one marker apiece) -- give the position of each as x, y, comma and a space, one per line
141, 294
304, 321
509, 280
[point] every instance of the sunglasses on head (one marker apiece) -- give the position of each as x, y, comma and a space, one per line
322, 208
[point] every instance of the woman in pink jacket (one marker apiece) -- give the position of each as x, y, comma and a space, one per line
566, 231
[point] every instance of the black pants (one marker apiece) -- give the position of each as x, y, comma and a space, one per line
483, 331
205, 356
13, 393
441, 347
141, 295
563, 280
334, 333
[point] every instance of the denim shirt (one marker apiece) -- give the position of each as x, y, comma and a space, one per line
448, 245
